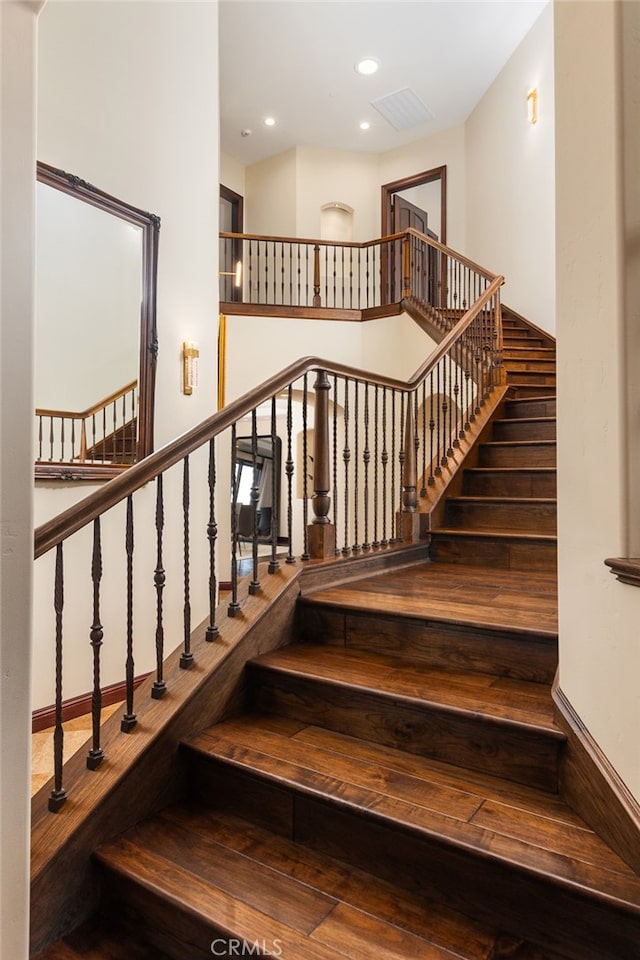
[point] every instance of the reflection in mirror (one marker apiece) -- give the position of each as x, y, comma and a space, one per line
96, 342
261, 514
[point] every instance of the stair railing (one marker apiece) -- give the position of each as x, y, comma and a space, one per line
96, 435
301, 273
361, 479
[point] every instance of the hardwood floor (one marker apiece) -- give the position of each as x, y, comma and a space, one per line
390, 789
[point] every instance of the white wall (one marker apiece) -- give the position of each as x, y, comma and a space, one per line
232, 174
325, 176
271, 190
510, 178
599, 651
17, 254
128, 100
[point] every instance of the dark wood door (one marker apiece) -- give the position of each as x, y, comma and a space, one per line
231, 221
424, 261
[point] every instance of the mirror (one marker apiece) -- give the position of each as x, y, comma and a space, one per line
96, 335
267, 463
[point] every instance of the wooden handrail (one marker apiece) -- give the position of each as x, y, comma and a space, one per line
54, 531
96, 408
378, 241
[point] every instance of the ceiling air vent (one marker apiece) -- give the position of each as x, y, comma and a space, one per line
403, 109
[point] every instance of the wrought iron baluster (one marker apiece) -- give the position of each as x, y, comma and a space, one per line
366, 456
234, 606
61, 439
212, 630
346, 457
432, 424
438, 469
282, 272
356, 461
335, 275
367, 274
402, 453
250, 271
40, 437
376, 501
104, 434
335, 459
274, 566
58, 794
129, 720
289, 469
451, 431
73, 439
392, 538
96, 754
254, 585
384, 460
50, 438
305, 468
159, 578
423, 490
351, 276
186, 657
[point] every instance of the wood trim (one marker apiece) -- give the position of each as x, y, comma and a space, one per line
625, 569
80, 706
356, 244
236, 198
416, 180
229, 307
92, 472
77, 516
590, 785
510, 313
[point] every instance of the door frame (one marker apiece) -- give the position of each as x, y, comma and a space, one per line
416, 180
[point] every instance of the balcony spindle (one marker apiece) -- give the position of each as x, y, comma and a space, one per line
335, 463
346, 457
392, 537
356, 463
316, 276
129, 720
376, 490
254, 585
212, 630
305, 469
96, 754
58, 794
366, 457
159, 578
384, 459
186, 657
423, 491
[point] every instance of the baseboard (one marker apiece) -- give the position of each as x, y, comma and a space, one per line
592, 787
80, 706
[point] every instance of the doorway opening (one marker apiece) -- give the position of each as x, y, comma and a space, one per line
418, 201
231, 217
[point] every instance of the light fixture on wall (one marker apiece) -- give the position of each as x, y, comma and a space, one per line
532, 106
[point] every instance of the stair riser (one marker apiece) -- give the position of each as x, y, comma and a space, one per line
530, 518
174, 931
543, 455
521, 390
530, 378
524, 430
530, 365
523, 755
527, 351
530, 408
540, 557
450, 646
482, 887
499, 484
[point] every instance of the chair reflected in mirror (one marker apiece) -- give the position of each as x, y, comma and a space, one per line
259, 518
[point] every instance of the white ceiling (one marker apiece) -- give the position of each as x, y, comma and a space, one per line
294, 60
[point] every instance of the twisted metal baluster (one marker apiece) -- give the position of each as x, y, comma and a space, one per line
289, 468
402, 452
423, 491
305, 472
384, 460
432, 425
416, 439
254, 585
392, 538
159, 687
96, 754
274, 566
356, 434
212, 630
346, 457
450, 435
376, 542
335, 460
186, 657
366, 457
58, 794
438, 469
234, 606
129, 719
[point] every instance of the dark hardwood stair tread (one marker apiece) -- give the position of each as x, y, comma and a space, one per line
566, 855
418, 914
525, 501
520, 703
185, 891
496, 532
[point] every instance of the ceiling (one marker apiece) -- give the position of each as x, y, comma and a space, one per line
293, 60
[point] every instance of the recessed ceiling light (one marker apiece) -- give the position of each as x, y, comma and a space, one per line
367, 66
365, 125
269, 122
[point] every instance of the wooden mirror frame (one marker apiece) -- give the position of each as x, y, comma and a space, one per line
149, 223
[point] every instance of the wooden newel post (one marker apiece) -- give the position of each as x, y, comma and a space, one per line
409, 520
316, 276
406, 267
322, 533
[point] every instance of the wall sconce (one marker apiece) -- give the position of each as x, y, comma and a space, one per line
532, 106
190, 357
237, 274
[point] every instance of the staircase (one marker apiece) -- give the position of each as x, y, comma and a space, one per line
392, 788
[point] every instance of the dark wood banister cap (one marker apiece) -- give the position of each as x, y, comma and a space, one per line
54, 531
